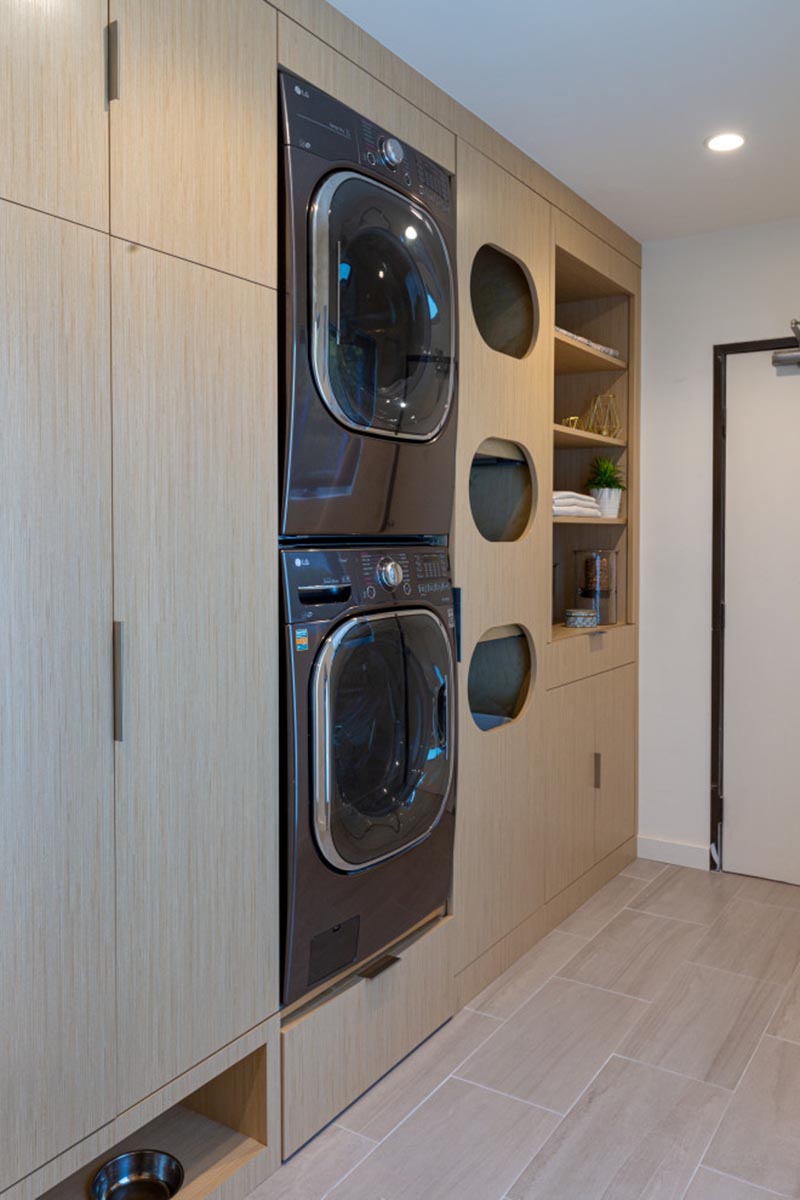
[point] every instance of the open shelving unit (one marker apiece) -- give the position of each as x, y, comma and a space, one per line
588, 305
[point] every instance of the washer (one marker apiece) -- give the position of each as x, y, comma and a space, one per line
369, 698
369, 365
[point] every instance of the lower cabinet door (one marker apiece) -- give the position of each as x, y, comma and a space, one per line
615, 723
569, 784
195, 573
56, 749
336, 1049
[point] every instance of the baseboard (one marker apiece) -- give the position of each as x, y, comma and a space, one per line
681, 854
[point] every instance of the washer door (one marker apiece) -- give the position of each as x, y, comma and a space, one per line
382, 709
383, 319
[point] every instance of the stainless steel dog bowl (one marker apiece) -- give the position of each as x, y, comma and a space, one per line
140, 1175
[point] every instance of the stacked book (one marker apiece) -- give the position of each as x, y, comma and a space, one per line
574, 504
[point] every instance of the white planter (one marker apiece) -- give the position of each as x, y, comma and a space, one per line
609, 500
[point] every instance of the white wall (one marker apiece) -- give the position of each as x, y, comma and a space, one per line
732, 286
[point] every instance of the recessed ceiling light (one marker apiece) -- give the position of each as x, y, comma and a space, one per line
723, 142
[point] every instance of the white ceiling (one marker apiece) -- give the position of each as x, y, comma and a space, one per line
615, 97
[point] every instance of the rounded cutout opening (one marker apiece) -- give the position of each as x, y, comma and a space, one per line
503, 490
504, 302
501, 673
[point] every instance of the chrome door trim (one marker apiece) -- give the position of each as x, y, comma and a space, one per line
320, 276
322, 735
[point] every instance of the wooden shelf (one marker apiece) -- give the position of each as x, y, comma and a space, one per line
590, 520
573, 357
560, 632
565, 438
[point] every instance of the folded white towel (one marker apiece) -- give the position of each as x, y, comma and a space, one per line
588, 508
576, 512
573, 496
575, 503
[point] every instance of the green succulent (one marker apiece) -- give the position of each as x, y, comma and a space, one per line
605, 473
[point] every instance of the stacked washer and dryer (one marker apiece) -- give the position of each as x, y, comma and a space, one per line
369, 414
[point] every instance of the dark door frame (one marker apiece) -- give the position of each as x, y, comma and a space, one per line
721, 354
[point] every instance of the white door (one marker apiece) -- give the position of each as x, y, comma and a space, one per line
761, 780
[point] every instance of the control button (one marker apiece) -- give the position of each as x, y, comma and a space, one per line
371, 159
407, 589
392, 151
407, 179
390, 573
370, 592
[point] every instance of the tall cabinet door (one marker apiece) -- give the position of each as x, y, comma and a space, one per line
615, 721
569, 779
56, 748
195, 562
194, 131
53, 116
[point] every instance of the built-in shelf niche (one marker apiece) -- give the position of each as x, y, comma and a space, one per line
501, 673
214, 1133
502, 490
504, 302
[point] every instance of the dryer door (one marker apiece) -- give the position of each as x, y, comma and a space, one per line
383, 319
382, 706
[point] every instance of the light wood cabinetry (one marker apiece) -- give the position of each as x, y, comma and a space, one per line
590, 781
193, 133
56, 766
195, 428
53, 118
341, 1044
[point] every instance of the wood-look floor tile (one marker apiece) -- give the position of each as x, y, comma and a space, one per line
753, 939
688, 894
548, 1051
515, 986
463, 1143
706, 1024
315, 1169
381, 1108
636, 953
759, 1139
645, 868
766, 891
786, 1022
708, 1185
590, 918
637, 1134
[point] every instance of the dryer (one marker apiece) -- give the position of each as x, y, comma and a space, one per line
370, 328
369, 726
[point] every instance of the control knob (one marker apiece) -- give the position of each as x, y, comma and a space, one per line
390, 573
392, 151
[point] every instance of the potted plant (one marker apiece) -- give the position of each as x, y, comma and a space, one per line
606, 484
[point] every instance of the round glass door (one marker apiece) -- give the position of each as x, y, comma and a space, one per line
383, 321
382, 704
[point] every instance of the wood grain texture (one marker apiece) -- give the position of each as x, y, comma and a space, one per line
602, 906
56, 764
499, 881
299, 51
354, 43
759, 1138
194, 152
510, 990
548, 1051
569, 798
615, 740
636, 1132
195, 527
53, 120
463, 1141
706, 1024
569, 659
336, 1049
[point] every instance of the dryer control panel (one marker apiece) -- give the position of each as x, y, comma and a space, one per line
317, 123
319, 584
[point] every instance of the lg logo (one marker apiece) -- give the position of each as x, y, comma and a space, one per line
301, 92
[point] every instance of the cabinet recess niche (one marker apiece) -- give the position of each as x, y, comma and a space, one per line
591, 347
504, 302
500, 675
502, 490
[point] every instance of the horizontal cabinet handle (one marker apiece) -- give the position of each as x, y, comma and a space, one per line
374, 969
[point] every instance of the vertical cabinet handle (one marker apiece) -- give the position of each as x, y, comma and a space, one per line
119, 679
598, 769
112, 61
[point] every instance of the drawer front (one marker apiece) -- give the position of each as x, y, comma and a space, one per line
586, 654
336, 1050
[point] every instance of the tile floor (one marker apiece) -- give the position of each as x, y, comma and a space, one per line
647, 1049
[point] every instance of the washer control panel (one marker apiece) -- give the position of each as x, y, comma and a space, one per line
317, 123
320, 584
